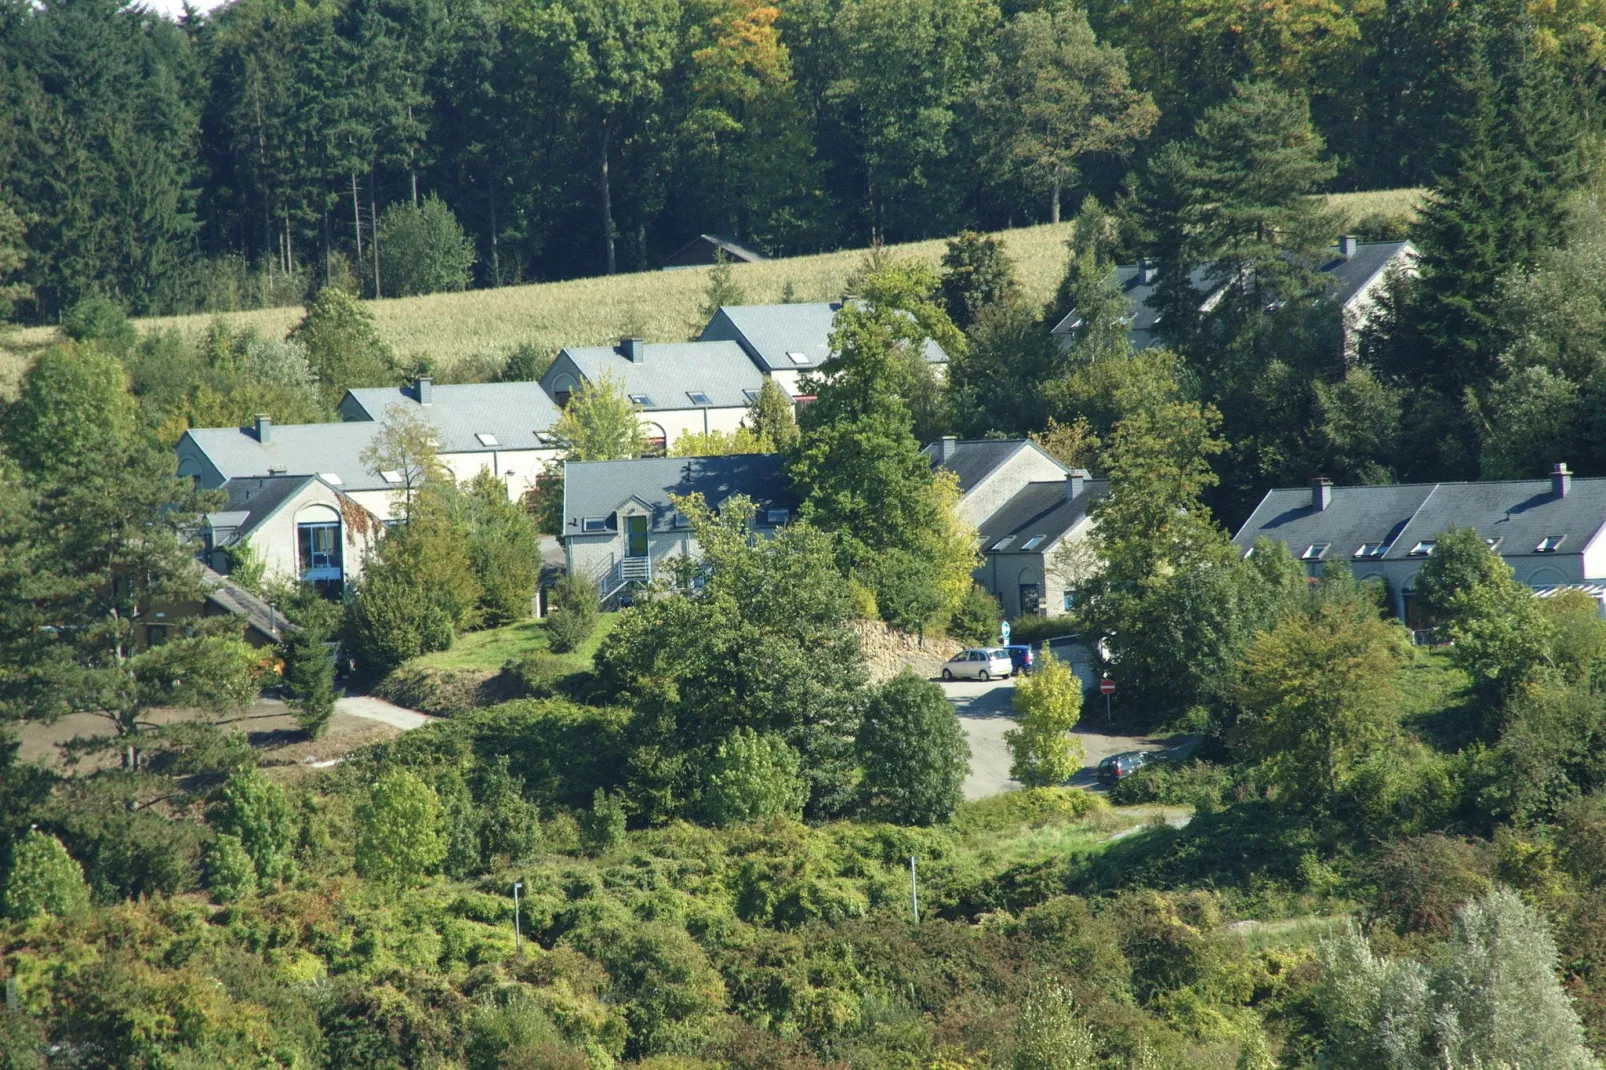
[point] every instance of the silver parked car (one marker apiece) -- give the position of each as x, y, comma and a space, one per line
980, 664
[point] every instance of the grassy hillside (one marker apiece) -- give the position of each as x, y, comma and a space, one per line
659, 305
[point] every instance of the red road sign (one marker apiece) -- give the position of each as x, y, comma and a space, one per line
1106, 686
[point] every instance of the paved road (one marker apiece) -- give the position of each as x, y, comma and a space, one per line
984, 710
377, 709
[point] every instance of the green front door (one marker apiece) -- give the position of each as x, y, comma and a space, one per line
635, 536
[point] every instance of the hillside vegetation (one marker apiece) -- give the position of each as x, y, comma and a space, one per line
658, 305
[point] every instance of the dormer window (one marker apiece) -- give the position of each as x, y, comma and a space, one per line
1549, 544
1315, 551
777, 516
677, 519
486, 438
698, 397
640, 399
594, 523
1422, 549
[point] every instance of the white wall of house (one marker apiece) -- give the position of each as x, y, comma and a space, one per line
276, 539
671, 424
518, 469
1534, 570
1003, 574
1026, 465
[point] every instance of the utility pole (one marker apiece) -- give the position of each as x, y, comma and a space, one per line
914, 891
518, 940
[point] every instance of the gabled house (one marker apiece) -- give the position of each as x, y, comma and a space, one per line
1550, 531
1355, 274
300, 527
789, 341
503, 428
707, 249
679, 387
992, 471
620, 524
1030, 557
331, 452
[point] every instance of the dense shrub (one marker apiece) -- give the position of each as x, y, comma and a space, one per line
975, 622
752, 776
101, 320
914, 752
603, 827
1176, 783
539, 673
399, 833
44, 879
574, 614
229, 870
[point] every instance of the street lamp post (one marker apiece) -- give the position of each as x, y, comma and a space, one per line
518, 941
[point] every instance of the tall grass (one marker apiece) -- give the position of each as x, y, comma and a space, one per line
658, 305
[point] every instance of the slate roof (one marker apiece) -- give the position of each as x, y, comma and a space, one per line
973, 461
668, 370
689, 255
252, 499
1347, 278
512, 412
598, 488
294, 450
1519, 512
769, 333
1039, 508
229, 597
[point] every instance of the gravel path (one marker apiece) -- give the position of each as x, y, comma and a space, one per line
377, 709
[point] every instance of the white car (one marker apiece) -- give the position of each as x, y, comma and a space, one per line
979, 664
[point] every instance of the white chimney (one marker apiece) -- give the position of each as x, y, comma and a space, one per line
426, 390
1561, 480
1347, 244
1321, 493
264, 426
633, 349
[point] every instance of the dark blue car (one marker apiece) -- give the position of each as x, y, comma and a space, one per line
1021, 655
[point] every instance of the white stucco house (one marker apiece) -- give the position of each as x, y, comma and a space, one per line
503, 428
790, 341
620, 525
1356, 273
1552, 532
679, 387
300, 527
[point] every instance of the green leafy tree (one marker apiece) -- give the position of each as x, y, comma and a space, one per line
503, 548
400, 838
101, 320
44, 878
976, 620
976, 275
753, 777
574, 614
1053, 95
772, 418
1048, 704
509, 825
73, 413
343, 344
230, 873
1317, 695
600, 423
409, 445
1499, 635
913, 751
1051, 1034
424, 249
603, 827
13, 258
257, 812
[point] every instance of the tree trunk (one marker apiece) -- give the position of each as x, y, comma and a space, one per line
373, 211
496, 263
356, 216
606, 194
1054, 205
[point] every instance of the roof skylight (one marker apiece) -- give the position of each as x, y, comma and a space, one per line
486, 438
640, 399
1033, 543
390, 475
698, 397
1315, 551
1422, 549
1549, 544
797, 358
1004, 543
750, 395
332, 478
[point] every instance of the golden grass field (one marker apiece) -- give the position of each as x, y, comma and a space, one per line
658, 305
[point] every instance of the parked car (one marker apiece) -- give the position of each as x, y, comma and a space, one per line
1118, 766
978, 664
1020, 654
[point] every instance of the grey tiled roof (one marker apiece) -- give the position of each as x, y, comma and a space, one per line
770, 332
1040, 508
294, 450
730, 246
1346, 278
1520, 513
512, 412
669, 369
229, 597
598, 488
972, 461
251, 500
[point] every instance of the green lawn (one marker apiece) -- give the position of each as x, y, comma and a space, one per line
494, 647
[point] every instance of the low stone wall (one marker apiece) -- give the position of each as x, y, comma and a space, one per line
887, 651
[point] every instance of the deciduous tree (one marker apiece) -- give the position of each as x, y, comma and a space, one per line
1048, 703
913, 751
